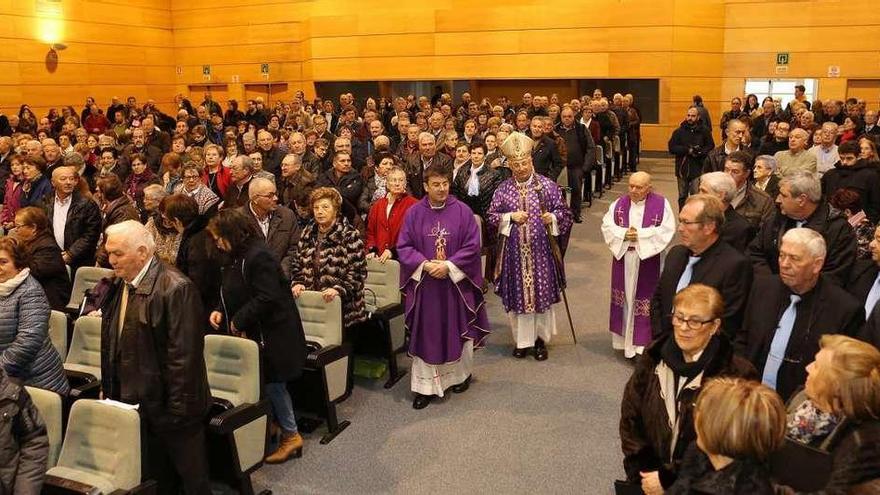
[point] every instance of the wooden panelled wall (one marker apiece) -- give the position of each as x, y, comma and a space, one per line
114, 48
156, 48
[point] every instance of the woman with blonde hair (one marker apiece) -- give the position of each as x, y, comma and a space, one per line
839, 412
739, 423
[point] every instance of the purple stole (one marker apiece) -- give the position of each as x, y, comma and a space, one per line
649, 274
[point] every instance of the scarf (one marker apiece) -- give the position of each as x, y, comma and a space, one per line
10, 285
674, 358
381, 188
808, 423
473, 183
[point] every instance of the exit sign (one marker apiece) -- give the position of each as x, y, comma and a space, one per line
782, 59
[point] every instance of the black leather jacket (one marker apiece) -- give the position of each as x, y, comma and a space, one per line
158, 359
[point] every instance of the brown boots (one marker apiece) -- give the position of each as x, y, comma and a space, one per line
291, 445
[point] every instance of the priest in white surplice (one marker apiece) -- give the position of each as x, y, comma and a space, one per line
637, 229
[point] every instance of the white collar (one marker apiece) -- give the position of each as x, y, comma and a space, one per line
143, 273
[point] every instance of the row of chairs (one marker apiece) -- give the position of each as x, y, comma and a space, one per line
101, 453
327, 376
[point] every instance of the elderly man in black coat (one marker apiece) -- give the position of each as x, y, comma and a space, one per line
276, 224
73, 219
787, 314
152, 354
801, 205
417, 163
702, 257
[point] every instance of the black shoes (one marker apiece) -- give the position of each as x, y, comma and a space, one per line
421, 401
578, 219
463, 386
521, 353
540, 350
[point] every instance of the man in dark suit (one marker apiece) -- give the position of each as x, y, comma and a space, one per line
152, 354
736, 230
75, 221
702, 257
417, 163
277, 224
800, 205
787, 314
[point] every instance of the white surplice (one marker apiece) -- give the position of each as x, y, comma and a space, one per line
652, 242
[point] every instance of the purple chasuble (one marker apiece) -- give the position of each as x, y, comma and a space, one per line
442, 315
649, 274
530, 280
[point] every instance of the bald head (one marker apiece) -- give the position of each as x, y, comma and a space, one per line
639, 186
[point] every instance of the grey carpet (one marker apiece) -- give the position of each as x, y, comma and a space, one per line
523, 427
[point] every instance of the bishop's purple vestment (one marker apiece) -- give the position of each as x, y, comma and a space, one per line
530, 280
442, 315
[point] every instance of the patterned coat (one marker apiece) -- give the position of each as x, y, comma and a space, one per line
529, 280
337, 261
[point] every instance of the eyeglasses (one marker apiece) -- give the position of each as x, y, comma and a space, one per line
267, 195
691, 323
190, 177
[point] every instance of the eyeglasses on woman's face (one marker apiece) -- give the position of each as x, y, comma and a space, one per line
692, 322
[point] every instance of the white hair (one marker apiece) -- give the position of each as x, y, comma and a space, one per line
809, 239
803, 182
134, 235
427, 135
720, 183
258, 185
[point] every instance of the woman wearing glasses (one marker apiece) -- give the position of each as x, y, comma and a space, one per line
657, 424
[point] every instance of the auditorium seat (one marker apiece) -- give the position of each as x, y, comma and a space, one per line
239, 419
58, 332
86, 278
83, 362
382, 290
326, 378
49, 405
101, 450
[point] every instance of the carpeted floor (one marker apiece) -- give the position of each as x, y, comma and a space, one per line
523, 427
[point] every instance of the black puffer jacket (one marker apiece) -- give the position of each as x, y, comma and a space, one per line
863, 176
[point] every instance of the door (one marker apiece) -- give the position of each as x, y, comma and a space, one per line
270, 92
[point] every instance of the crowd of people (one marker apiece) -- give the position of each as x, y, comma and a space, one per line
775, 271
216, 221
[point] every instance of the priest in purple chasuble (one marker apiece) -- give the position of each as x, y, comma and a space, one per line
440, 273
533, 224
637, 228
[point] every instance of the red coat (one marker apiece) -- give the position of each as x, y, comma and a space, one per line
223, 178
382, 231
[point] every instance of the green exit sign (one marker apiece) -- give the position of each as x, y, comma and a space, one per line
782, 59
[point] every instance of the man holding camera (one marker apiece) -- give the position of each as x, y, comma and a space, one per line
690, 144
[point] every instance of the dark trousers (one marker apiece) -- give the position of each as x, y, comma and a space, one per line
683, 190
576, 183
176, 458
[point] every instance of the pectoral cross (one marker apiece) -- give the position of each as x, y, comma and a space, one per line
440, 243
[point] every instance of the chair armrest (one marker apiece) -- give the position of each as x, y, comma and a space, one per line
389, 311
327, 355
83, 385
229, 421
148, 487
54, 485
